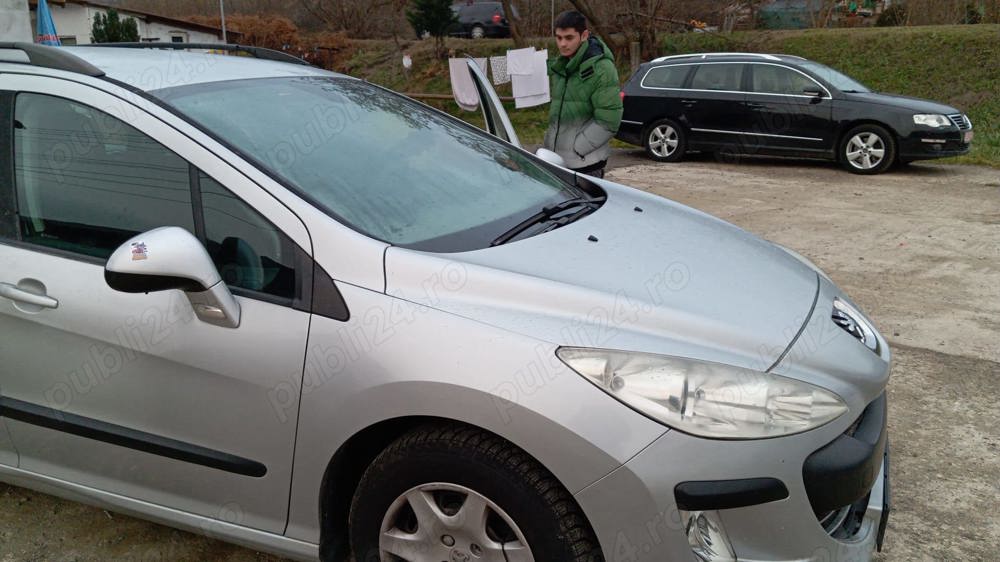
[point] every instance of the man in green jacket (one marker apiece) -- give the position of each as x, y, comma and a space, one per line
586, 106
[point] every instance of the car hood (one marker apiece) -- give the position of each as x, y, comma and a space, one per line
642, 273
916, 105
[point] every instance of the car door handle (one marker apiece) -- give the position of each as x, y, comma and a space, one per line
20, 295
689, 103
752, 105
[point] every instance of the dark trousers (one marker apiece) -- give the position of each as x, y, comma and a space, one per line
596, 170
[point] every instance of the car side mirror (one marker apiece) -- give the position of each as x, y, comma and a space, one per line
816, 94
167, 258
550, 157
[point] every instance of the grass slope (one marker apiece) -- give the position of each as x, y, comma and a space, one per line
957, 65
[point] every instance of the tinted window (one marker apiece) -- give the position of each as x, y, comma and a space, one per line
86, 181
249, 252
666, 77
718, 77
770, 79
382, 163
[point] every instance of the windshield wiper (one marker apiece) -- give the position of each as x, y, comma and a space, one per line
585, 206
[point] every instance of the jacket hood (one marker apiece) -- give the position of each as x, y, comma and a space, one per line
667, 279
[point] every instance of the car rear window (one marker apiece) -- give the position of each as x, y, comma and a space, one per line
666, 77
718, 76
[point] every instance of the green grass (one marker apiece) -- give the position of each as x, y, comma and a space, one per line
957, 65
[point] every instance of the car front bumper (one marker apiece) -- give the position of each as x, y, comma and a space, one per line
771, 495
922, 145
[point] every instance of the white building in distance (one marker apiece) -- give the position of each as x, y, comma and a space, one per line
74, 20
15, 25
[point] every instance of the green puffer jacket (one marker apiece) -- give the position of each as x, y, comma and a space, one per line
586, 106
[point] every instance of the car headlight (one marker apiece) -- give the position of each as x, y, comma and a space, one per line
703, 398
932, 120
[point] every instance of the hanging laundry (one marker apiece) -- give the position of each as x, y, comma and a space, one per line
462, 87
532, 88
499, 67
520, 61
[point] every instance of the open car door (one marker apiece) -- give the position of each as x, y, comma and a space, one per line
497, 121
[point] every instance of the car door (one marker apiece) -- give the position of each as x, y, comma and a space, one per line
789, 110
8, 225
495, 116
132, 393
713, 104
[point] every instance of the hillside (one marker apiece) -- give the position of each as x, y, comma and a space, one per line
958, 65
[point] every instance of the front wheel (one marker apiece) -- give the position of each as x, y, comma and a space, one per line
664, 141
478, 32
868, 149
446, 492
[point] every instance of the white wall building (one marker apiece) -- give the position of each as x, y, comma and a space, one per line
15, 24
75, 18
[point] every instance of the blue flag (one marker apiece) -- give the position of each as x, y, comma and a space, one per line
46, 34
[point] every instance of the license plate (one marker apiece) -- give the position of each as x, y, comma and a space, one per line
968, 137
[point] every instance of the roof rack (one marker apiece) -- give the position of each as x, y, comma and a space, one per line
49, 57
256, 52
707, 55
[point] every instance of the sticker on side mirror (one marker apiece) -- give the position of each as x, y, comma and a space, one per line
139, 251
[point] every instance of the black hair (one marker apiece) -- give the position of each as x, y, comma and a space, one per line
571, 19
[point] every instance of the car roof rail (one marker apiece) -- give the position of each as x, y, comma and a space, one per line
256, 52
707, 55
47, 57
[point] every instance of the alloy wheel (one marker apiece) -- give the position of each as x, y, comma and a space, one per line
663, 141
865, 150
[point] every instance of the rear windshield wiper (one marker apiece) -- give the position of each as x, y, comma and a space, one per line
582, 205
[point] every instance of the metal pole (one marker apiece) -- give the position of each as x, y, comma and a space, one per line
552, 23
222, 12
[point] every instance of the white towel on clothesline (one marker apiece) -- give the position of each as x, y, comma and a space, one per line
532, 89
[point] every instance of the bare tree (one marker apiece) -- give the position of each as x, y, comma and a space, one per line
822, 13
599, 26
515, 23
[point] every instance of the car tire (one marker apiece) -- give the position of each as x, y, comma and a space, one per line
477, 32
435, 471
867, 149
664, 141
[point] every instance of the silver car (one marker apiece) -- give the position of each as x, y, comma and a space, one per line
293, 310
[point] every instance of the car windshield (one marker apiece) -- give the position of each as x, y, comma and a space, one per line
835, 78
374, 160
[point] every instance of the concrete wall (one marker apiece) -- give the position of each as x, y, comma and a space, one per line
15, 22
74, 22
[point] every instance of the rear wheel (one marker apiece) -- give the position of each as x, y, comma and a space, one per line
478, 32
867, 149
445, 492
664, 141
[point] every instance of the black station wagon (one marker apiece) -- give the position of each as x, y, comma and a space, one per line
762, 104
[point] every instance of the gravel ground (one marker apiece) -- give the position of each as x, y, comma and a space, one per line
918, 249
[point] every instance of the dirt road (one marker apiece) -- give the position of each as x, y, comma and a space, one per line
918, 249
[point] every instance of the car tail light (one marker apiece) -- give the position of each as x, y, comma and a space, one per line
496, 18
